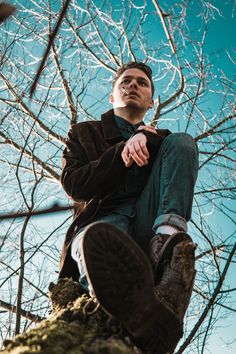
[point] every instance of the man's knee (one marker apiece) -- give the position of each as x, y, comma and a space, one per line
182, 143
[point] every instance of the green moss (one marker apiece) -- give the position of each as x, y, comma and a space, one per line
64, 292
61, 337
111, 346
53, 337
69, 331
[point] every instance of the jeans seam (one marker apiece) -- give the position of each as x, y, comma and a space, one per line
164, 201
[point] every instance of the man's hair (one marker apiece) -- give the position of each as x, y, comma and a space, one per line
134, 65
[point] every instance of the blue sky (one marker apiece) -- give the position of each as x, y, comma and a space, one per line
220, 37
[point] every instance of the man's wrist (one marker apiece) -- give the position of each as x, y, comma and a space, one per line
143, 131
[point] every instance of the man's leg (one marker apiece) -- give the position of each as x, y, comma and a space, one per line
167, 197
166, 203
122, 222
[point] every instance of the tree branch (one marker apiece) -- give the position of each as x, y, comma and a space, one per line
30, 155
178, 68
213, 129
54, 209
51, 40
26, 314
38, 122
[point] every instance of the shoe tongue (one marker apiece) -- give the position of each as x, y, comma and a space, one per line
163, 237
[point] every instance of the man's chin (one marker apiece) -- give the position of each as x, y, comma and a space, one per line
131, 105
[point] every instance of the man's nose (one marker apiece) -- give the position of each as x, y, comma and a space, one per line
132, 84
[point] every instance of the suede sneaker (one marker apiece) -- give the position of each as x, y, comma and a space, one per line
176, 285
161, 249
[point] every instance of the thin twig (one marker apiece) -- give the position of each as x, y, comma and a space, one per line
50, 42
180, 89
26, 314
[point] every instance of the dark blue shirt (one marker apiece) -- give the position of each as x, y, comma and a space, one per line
126, 128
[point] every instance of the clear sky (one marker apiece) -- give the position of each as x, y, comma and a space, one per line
220, 41
221, 37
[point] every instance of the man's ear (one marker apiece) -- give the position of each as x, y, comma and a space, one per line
111, 98
151, 104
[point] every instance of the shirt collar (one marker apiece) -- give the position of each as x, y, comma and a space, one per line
125, 127
121, 122
111, 130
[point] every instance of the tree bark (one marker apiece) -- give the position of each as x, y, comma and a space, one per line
70, 330
78, 326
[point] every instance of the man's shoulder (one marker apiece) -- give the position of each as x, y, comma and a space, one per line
87, 125
105, 123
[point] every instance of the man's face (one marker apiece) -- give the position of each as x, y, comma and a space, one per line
132, 89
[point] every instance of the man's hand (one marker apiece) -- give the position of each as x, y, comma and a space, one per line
136, 150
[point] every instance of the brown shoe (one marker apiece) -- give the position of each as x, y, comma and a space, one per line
176, 285
121, 278
161, 249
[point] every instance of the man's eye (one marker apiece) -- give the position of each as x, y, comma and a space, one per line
125, 81
143, 83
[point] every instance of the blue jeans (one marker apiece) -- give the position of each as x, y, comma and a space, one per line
165, 200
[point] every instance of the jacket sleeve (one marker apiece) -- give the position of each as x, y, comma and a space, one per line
84, 179
154, 141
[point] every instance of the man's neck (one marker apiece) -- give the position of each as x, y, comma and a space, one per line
134, 117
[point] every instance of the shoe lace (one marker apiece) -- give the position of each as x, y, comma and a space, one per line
91, 306
157, 243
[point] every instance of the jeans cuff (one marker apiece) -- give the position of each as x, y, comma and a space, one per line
172, 220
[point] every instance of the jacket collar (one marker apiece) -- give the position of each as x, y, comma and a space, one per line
109, 127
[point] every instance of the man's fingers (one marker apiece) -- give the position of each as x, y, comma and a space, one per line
144, 149
137, 154
126, 157
128, 164
136, 150
141, 150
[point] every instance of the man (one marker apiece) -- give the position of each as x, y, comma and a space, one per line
137, 183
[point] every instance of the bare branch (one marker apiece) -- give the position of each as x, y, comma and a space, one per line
30, 155
213, 130
51, 40
25, 108
161, 105
54, 209
26, 314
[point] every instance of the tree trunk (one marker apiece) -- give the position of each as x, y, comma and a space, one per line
78, 326
71, 329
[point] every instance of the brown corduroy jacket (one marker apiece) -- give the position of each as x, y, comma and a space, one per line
92, 168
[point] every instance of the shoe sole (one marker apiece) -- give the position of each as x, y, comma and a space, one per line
122, 280
166, 252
